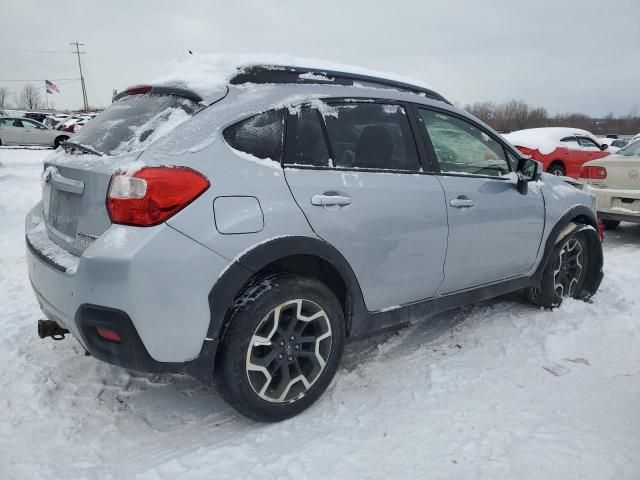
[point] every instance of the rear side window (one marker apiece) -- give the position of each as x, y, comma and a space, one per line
370, 135
260, 135
306, 144
461, 147
133, 121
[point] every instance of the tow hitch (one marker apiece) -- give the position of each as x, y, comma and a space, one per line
49, 328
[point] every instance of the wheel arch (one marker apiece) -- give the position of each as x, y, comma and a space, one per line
295, 254
558, 162
578, 218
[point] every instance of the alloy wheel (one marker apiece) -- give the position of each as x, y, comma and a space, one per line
288, 351
569, 265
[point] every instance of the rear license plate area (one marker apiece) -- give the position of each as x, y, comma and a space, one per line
62, 218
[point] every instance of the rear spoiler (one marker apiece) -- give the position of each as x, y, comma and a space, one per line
158, 90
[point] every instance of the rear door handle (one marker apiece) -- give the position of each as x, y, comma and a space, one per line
328, 200
462, 202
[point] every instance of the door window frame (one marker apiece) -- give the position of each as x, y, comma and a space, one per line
433, 157
424, 163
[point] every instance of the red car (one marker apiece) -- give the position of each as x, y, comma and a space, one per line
561, 150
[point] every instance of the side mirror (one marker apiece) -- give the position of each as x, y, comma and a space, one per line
604, 146
529, 170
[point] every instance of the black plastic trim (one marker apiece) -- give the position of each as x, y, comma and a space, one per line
568, 217
162, 90
43, 257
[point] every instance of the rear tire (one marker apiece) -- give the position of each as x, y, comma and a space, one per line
59, 140
556, 169
564, 273
610, 224
282, 347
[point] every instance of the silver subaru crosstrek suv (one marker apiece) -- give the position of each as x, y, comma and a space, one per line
240, 233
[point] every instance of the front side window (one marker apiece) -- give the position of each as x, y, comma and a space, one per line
570, 141
306, 144
260, 135
462, 147
370, 135
586, 142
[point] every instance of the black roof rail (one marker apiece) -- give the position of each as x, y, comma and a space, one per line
302, 75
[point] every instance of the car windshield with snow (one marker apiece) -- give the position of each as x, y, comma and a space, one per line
239, 224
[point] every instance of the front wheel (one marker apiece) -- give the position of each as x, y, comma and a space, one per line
282, 347
565, 272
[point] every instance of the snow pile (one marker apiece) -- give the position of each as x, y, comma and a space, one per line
470, 394
546, 139
207, 74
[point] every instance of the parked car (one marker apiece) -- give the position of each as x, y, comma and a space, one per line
37, 116
23, 131
55, 120
243, 234
615, 180
614, 144
562, 151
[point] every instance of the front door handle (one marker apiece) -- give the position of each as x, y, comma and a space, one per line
328, 200
462, 202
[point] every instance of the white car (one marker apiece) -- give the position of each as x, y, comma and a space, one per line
615, 180
22, 131
614, 144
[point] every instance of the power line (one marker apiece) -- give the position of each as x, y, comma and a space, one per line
14, 50
37, 79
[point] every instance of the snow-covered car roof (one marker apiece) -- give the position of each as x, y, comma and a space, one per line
545, 139
208, 74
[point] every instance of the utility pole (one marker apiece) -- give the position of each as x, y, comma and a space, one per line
84, 90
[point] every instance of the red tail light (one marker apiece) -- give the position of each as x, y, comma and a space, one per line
153, 194
596, 173
527, 152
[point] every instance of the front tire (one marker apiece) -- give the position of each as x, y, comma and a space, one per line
565, 272
282, 347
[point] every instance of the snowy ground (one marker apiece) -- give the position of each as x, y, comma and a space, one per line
462, 396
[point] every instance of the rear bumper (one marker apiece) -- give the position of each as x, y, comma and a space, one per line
153, 283
614, 204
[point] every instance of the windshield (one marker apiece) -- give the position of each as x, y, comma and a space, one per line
135, 121
631, 150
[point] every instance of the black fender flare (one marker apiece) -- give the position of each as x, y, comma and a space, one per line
245, 267
590, 229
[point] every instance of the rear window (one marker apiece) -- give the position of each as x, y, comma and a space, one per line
260, 135
134, 121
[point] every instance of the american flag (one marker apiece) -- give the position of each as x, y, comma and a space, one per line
51, 87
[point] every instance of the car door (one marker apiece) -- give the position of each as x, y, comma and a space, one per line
494, 230
12, 131
354, 170
35, 134
591, 149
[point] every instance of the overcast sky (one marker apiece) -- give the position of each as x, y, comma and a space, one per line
563, 55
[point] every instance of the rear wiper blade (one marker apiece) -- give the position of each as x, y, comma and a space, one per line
79, 146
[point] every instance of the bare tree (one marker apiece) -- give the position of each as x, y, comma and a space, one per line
30, 97
517, 115
4, 96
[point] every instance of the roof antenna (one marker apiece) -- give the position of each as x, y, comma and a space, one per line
190, 52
